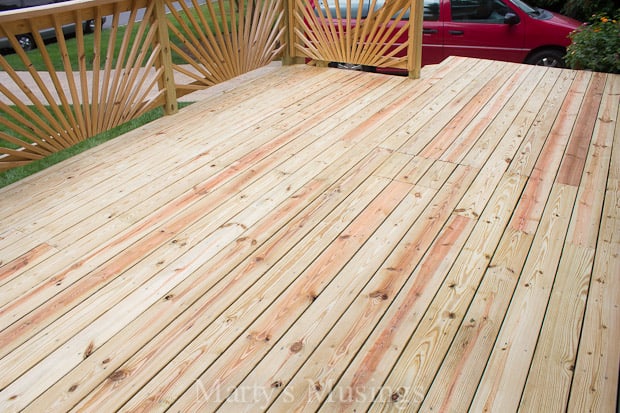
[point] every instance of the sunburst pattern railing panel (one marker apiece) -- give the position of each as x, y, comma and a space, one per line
111, 77
371, 32
217, 40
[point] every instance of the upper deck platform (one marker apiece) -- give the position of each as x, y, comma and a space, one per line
323, 239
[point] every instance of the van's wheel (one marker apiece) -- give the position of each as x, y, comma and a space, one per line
547, 57
26, 42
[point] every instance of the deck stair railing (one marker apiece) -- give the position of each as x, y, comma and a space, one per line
151, 52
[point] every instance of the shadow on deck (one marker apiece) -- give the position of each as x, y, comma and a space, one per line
331, 240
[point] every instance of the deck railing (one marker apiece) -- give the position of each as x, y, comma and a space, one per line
375, 33
155, 51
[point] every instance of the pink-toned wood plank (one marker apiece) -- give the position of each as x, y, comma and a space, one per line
12, 269
577, 151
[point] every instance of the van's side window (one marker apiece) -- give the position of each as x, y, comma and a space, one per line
431, 10
480, 11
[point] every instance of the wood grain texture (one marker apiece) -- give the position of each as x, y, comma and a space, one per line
457, 379
320, 239
598, 353
515, 343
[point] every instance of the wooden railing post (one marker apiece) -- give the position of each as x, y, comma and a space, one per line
166, 82
289, 57
414, 49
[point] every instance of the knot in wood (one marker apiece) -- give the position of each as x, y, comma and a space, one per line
297, 346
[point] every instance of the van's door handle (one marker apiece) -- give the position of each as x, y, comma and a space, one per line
456, 32
430, 31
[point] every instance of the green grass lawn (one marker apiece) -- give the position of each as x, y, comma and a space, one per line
56, 56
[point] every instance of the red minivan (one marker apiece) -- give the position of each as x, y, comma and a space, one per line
508, 30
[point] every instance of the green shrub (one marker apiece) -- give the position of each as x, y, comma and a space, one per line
596, 46
577, 9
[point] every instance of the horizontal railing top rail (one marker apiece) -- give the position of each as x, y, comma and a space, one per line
90, 79
64, 12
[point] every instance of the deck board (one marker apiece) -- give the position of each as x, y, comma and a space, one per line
320, 239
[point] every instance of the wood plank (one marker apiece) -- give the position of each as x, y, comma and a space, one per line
392, 166
515, 153
325, 280
515, 120
280, 364
497, 115
160, 235
127, 211
421, 358
120, 289
595, 382
564, 101
584, 229
11, 269
550, 377
484, 105
549, 161
577, 151
415, 169
504, 376
356, 281
421, 110
196, 299
282, 282
416, 135
456, 381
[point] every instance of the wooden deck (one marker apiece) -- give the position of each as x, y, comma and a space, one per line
323, 239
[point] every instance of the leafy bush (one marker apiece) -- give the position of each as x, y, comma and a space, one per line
582, 9
596, 46
578, 9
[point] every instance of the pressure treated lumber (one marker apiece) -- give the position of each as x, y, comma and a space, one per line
320, 239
